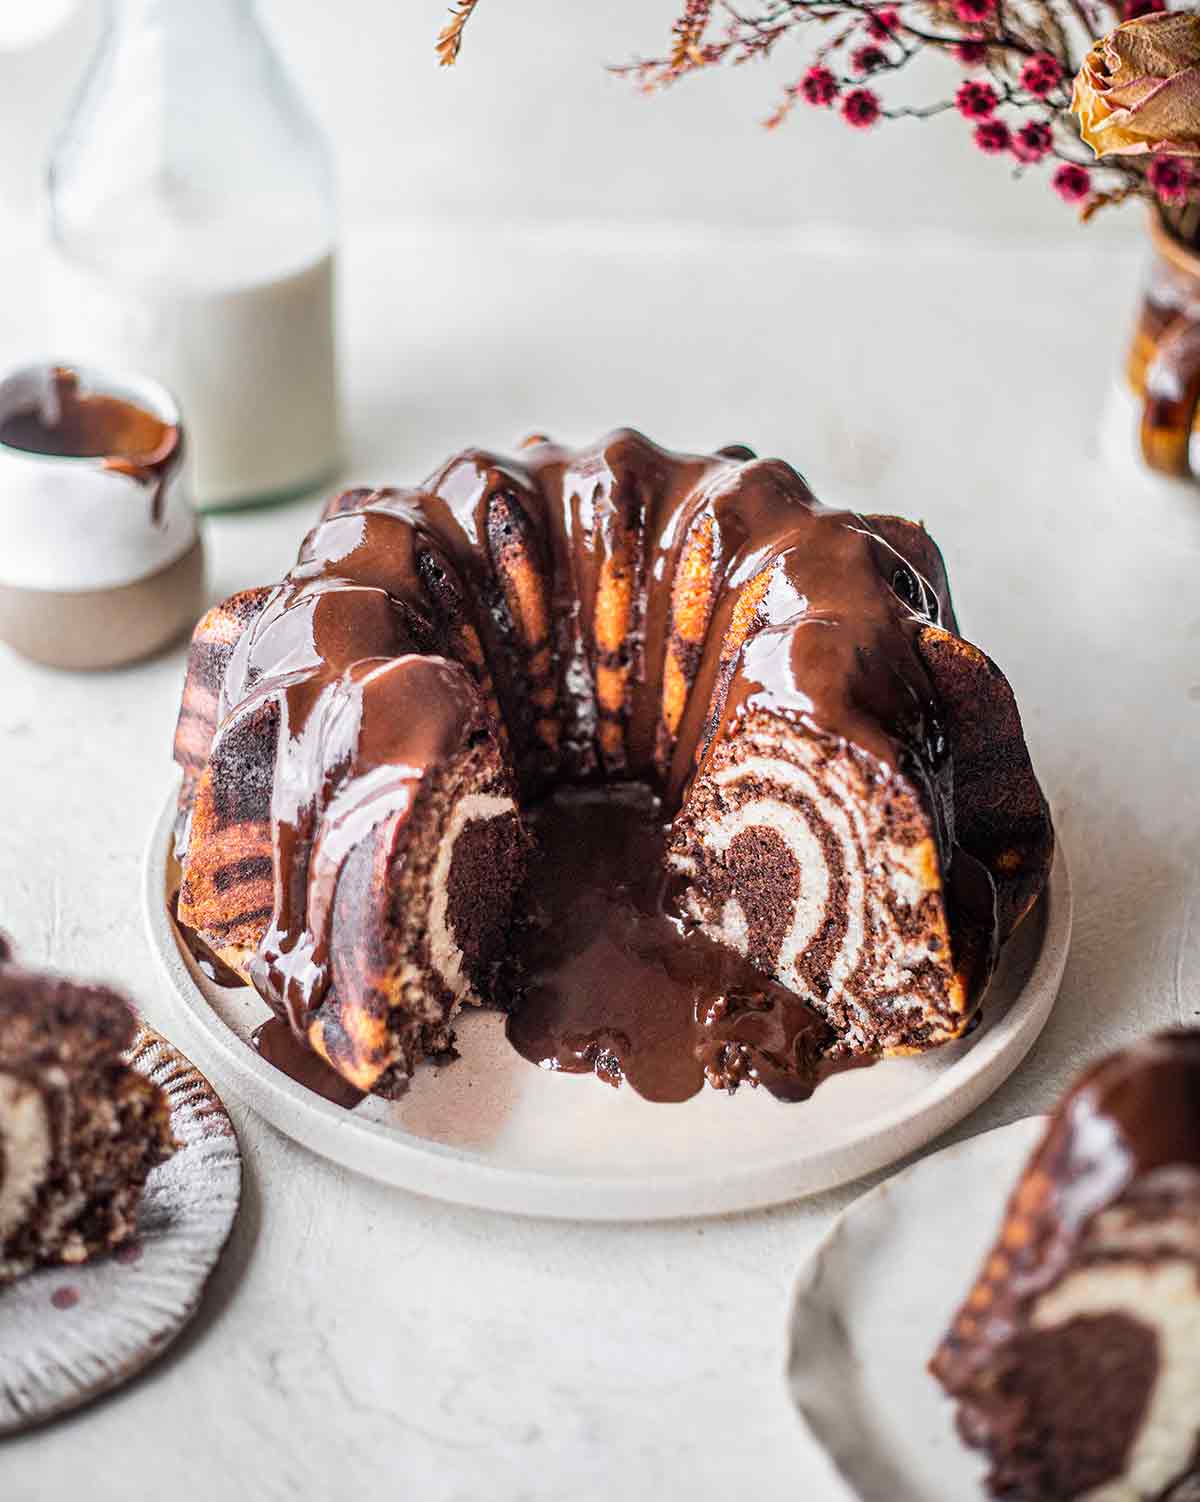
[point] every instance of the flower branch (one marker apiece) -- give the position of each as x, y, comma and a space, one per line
1035, 87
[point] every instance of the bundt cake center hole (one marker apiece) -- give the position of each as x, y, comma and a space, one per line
605, 974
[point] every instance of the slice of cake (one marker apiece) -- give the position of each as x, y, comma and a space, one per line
1076, 1358
79, 1129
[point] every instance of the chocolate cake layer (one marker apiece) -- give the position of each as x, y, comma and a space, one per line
700, 624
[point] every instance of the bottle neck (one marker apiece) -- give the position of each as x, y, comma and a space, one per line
210, 17
188, 134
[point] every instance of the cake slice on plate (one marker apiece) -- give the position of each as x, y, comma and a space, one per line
1075, 1360
80, 1129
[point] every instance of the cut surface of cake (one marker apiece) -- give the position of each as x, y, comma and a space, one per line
1075, 1360
80, 1129
850, 802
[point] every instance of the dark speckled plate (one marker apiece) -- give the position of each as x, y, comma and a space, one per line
68, 1334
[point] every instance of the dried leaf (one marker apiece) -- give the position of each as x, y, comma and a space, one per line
449, 42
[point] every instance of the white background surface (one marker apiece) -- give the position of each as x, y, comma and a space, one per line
516, 260
530, 125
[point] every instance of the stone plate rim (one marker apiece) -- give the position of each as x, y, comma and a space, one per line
464, 1176
187, 1215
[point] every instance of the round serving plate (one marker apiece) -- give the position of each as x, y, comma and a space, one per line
68, 1334
492, 1130
871, 1304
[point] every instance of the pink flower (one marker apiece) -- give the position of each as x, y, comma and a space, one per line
976, 100
1071, 183
819, 86
1041, 75
1132, 9
1032, 141
993, 136
882, 23
1171, 178
867, 59
970, 53
860, 108
971, 12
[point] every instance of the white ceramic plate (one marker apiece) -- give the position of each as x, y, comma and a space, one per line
874, 1300
494, 1131
68, 1334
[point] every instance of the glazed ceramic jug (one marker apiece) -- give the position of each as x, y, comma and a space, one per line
1160, 388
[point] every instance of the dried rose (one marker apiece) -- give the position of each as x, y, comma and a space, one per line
1139, 88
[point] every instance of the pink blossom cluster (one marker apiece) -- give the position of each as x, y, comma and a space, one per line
859, 107
1172, 178
978, 100
1014, 98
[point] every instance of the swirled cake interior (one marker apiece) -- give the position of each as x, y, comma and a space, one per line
840, 781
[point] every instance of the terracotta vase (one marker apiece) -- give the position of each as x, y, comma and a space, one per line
1162, 369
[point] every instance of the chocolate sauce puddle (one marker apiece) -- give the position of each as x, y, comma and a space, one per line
611, 982
68, 424
274, 1041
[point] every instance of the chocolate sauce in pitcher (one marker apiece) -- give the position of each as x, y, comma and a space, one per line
69, 423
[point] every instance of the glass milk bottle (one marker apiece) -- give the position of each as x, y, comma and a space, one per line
192, 233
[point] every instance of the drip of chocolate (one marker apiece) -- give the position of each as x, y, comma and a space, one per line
611, 980
384, 719
70, 424
275, 1042
207, 960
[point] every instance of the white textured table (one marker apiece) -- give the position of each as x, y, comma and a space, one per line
360, 1341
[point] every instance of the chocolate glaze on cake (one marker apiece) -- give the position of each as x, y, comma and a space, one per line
852, 804
1076, 1358
79, 1128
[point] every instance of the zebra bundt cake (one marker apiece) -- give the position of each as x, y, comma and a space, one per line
853, 807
